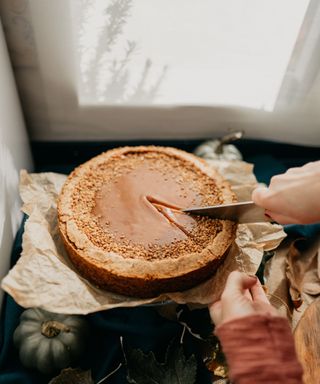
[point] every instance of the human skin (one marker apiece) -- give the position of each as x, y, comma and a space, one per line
257, 342
292, 197
243, 296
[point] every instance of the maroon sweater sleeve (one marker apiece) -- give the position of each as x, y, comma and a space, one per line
260, 349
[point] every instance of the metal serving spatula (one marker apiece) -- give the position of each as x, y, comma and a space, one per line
242, 212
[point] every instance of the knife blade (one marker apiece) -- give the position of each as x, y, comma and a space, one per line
241, 212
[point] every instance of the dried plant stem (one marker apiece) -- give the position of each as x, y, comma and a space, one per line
110, 374
182, 334
52, 328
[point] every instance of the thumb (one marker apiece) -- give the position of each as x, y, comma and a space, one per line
215, 311
259, 196
238, 282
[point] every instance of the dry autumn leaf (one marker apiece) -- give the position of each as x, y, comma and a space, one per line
145, 369
303, 270
72, 376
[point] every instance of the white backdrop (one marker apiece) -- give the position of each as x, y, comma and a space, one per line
45, 38
14, 155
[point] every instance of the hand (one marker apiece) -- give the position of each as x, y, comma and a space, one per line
243, 295
292, 197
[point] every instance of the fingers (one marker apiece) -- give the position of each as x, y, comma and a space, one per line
243, 295
238, 283
265, 198
282, 219
249, 286
260, 195
313, 165
263, 308
215, 311
247, 294
258, 293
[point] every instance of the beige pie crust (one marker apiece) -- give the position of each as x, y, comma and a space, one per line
139, 277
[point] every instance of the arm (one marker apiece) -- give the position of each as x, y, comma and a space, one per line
258, 343
292, 197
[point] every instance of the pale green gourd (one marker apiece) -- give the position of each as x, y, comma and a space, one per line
48, 341
220, 149
212, 150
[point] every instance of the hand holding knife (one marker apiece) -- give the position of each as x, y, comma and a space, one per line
291, 198
241, 212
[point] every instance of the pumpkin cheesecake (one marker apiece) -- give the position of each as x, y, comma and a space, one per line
121, 220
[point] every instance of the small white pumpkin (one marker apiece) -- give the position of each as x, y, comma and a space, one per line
49, 341
220, 149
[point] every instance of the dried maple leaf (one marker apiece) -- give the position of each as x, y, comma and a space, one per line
176, 369
216, 361
221, 381
73, 376
302, 270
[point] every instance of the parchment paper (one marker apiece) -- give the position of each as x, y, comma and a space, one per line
44, 277
307, 270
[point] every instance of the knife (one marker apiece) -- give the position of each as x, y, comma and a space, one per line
241, 212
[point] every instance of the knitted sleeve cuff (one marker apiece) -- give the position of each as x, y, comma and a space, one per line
260, 349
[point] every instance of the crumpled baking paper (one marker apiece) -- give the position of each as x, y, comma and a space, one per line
44, 277
290, 269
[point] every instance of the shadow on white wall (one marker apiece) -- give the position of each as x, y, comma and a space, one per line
10, 215
14, 155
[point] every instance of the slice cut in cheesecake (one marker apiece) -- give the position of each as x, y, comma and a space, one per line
121, 222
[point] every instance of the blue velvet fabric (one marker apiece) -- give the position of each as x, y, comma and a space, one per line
141, 327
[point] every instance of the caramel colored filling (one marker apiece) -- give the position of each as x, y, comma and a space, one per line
144, 206
131, 205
